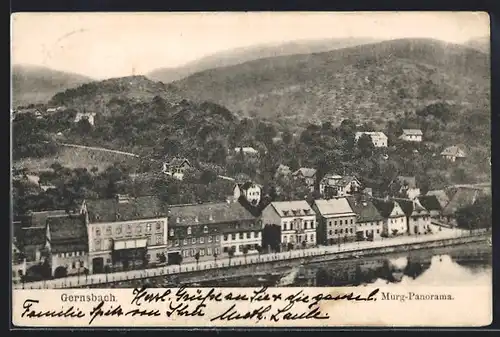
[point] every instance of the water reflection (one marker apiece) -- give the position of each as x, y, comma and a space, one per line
447, 266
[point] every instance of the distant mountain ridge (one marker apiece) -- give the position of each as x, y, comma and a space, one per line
245, 54
36, 84
480, 43
367, 81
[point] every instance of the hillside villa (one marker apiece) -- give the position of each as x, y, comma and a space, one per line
333, 185
251, 191
412, 135
453, 153
379, 139
306, 174
89, 116
176, 167
336, 221
246, 150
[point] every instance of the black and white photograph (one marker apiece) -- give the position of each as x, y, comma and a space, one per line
251, 150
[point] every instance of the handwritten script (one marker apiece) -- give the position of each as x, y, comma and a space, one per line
218, 305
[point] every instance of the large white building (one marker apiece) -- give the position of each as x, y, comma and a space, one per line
296, 219
412, 135
251, 191
379, 139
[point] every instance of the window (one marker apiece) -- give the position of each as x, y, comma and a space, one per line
340, 222
97, 232
217, 250
284, 225
73, 265
202, 252
210, 238
225, 237
351, 230
108, 230
312, 237
98, 244
193, 241
342, 230
285, 239
159, 239
305, 224
138, 229
336, 231
351, 221
335, 222
329, 224
225, 249
118, 230
158, 226
402, 220
209, 251
217, 238
378, 231
257, 234
233, 236
176, 242
202, 240
150, 240
129, 228
189, 231
148, 227
185, 253
330, 232
205, 229
171, 232
241, 236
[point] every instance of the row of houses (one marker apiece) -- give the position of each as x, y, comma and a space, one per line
125, 232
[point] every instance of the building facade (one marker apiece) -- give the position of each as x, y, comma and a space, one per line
308, 175
417, 217
210, 230
295, 220
176, 167
453, 153
412, 135
338, 186
379, 139
336, 221
395, 222
369, 222
251, 191
125, 232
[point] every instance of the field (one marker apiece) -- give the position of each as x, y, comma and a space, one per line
76, 157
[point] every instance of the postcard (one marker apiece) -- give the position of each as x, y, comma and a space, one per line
251, 169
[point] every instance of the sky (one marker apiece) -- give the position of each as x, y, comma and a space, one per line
105, 45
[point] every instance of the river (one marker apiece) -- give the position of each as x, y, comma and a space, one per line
456, 265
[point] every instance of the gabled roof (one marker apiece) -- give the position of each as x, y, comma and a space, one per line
334, 206
415, 132
365, 210
462, 197
384, 207
248, 184
111, 210
176, 162
306, 172
371, 134
345, 180
410, 207
39, 219
441, 196
245, 149
32, 236
292, 208
453, 151
430, 202
68, 234
208, 213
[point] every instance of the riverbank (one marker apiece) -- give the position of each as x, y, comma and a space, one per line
267, 262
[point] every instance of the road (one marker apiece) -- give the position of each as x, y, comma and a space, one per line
73, 281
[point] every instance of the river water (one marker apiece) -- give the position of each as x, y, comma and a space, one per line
468, 264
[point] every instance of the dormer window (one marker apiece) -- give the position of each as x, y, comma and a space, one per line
205, 229
178, 220
210, 217
196, 219
171, 232
189, 231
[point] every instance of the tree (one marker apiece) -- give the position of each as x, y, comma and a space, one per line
287, 137
258, 248
162, 258
365, 145
215, 258
304, 245
245, 252
197, 258
230, 253
208, 176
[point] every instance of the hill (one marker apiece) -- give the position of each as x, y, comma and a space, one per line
36, 84
481, 43
115, 94
369, 82
241, 55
